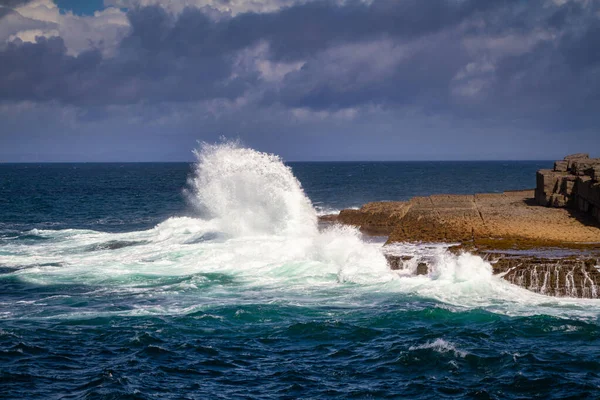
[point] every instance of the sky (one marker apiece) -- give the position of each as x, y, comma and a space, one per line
314, 80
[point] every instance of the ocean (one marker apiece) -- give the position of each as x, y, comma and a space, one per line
215, 280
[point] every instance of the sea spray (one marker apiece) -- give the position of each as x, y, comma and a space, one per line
249, 192
254, 224
255, 239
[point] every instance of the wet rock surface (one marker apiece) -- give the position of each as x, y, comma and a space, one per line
570, 276
563, 212
573, 277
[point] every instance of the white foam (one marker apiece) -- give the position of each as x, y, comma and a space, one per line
257, 228
250, 192
441, 346
467, 281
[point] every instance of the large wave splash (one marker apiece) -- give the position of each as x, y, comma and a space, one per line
254, 223
257, 239
249, 192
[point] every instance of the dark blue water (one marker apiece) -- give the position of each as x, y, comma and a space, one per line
97, 303
125, 197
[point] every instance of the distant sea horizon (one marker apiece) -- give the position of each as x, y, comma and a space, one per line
284, 160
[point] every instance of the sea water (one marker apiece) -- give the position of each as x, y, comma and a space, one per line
215, 280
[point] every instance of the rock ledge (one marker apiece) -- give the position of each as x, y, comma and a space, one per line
563, 212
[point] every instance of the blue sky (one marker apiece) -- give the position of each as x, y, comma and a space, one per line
81, 7
146, 80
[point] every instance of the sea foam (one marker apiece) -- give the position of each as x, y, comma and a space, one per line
256, 236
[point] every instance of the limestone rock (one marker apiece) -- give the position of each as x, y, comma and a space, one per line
572, 276
422, 269
583, 167
573, 188
558, 200
561, 166
506, 221
595, 173
397, 262
547, 180
577, 156
375, 218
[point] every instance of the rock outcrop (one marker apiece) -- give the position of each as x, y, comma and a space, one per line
574, 275
499, 220
563, 212
573, 183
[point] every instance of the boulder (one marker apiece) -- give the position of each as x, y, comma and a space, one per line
595, 173
552, 182
397, 262
558, 200
584, 167
541, 198
584, 187
547, 180
570, 185
422, 269
594, 194
577, 156
567, 185
561, 166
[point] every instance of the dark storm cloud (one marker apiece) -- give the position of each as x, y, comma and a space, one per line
193, 57
558, 81
5, 11
423, 78
153, 64
13, 3
554, 84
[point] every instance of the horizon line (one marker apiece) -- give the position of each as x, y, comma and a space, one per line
285, 161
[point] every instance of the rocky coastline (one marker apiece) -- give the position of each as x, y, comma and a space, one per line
546, 240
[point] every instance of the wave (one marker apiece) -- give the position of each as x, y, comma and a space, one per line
256, 227
440, 346
249, 192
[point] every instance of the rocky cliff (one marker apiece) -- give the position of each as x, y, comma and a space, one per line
573, 183
562, 213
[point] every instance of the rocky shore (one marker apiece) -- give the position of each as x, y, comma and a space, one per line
546, 240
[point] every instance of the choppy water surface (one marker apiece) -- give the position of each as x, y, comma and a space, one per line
116, 284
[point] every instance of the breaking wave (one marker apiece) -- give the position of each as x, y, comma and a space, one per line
256, 239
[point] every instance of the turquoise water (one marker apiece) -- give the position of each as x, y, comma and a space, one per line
215, 281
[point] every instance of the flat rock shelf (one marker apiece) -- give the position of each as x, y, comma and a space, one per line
546, 240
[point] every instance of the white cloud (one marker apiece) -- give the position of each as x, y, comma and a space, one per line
351, 66
40, 10
103, 30
473, 80
29, 35
304, 114
256, 59
232, 7
13, 23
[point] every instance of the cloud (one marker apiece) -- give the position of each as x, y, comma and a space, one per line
521, 65
232, 7
25, 21
12, 3
190, 56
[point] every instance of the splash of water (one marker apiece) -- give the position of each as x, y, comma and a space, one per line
258, 240
250, 192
